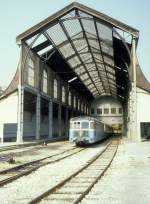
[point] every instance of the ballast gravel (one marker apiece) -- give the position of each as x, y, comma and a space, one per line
127, 181
29, 187
28, 154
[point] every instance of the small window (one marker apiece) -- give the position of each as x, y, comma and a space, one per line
99, 111
85, 125
120, 110
78, 104
30, 65
63, 94
106, 110
55, 89
69, 99
74, 102
92, 111
44, 81
113, 110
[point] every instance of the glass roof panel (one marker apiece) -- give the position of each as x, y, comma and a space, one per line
89, 26
80, 70
105, 32
111, 70
90, 66
80, 44
85, 56
67, 50
56, 34
84, 76
88, 81
94, 43
74, 61
73, 27
108, 60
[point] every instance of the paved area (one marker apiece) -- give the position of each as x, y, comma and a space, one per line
128, 179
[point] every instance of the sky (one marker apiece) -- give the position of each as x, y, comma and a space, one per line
17, 16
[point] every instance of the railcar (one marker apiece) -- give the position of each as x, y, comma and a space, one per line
88, 130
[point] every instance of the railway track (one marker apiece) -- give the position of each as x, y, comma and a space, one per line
74, 188
11, 174
21, 146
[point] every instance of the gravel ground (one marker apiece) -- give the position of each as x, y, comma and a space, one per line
28, 187
128, 179
33, 153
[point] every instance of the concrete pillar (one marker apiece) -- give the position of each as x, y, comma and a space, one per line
66, 123
50, 118
59, 120
133, 98
38, 116
20, 114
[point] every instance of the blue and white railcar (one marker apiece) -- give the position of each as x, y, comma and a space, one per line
87, 130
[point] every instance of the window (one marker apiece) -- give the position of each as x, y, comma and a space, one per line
45, 81
63, 94
69, 99
92, 110
76, 125
74, 102
120, 110
85, 125
78, 104
55, 89
106, 110
113, 110
30, 65
99, 111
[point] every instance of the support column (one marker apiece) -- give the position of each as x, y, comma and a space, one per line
38, 116
20, 114
133, 105
66, 123
59, 120
50, 118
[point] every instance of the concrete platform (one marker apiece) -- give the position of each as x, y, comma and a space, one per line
128, 179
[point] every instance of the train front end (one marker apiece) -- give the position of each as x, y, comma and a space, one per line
80, 132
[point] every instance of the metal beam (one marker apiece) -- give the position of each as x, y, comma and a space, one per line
41, 46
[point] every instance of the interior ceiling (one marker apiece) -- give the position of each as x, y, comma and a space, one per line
79, 44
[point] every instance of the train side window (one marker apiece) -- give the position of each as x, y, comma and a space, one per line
106, 110
99, 111
85, 125
76, 125
113, 110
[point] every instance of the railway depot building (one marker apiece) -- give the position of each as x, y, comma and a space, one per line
76, 62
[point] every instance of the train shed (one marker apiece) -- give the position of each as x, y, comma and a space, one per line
76, 62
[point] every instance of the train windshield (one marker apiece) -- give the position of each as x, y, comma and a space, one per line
75, 125
85, 125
